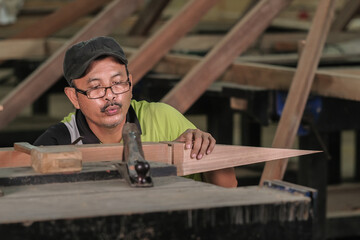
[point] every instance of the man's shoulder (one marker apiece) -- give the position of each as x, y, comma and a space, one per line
57, 134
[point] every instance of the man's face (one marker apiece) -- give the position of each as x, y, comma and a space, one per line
110, 110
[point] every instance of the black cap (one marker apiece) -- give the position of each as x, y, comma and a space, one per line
79, 56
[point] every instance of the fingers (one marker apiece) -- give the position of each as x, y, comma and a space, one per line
199, 142
188, 138
204, 143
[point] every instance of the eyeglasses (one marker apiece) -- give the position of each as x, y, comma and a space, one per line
99, 92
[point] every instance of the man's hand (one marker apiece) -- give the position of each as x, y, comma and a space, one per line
201, 142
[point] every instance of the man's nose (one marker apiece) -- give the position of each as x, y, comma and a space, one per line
109, 93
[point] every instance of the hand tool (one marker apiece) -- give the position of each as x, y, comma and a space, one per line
134, 168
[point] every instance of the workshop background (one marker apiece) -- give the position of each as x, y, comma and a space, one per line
234, 113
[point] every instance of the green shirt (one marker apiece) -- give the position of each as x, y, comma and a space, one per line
159, 121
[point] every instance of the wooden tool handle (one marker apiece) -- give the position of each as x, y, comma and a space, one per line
24, 147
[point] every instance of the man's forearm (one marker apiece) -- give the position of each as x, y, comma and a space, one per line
222, 177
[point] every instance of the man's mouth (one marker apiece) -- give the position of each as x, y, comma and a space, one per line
111, 109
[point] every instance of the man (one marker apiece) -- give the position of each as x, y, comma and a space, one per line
100, 88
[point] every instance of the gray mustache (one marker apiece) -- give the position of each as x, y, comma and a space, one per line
110, 104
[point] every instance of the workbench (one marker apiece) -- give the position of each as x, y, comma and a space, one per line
175, 208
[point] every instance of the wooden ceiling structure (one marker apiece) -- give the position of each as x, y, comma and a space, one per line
222, 58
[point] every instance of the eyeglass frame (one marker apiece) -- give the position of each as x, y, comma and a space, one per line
85, 92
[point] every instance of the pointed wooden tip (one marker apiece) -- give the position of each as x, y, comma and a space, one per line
225, 156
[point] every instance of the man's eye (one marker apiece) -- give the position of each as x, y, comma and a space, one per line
119, 83
94, 87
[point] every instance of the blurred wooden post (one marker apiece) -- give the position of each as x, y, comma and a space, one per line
148, 17
300, 88
243, 34
349, 10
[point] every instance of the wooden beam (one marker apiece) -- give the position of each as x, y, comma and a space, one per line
348, 11
195, 83
271, 42
61, 18
162, 41
223, 156
20, 49
300, 88
9, 157
51, 70
326, 83
148, 16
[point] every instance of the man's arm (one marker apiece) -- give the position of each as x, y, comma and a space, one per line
202, 143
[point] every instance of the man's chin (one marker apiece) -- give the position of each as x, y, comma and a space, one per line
111, 125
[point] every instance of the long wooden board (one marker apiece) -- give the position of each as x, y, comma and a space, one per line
300, 88
195, 83
224, 156
50, 71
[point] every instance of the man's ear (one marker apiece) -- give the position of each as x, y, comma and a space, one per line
130, 79
71, 94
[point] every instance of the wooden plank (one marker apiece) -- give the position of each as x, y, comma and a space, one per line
291, 24
148, 16
271, 42
20, 49
61, 18
221, 56
51, 70
152, 152
326, 83
349, 10
90, 153
300, 88
162, 41
225, 156
52, 159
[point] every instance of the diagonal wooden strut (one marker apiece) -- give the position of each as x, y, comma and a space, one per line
162, 41
243, 34
148, 17
300, 88
50, 71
